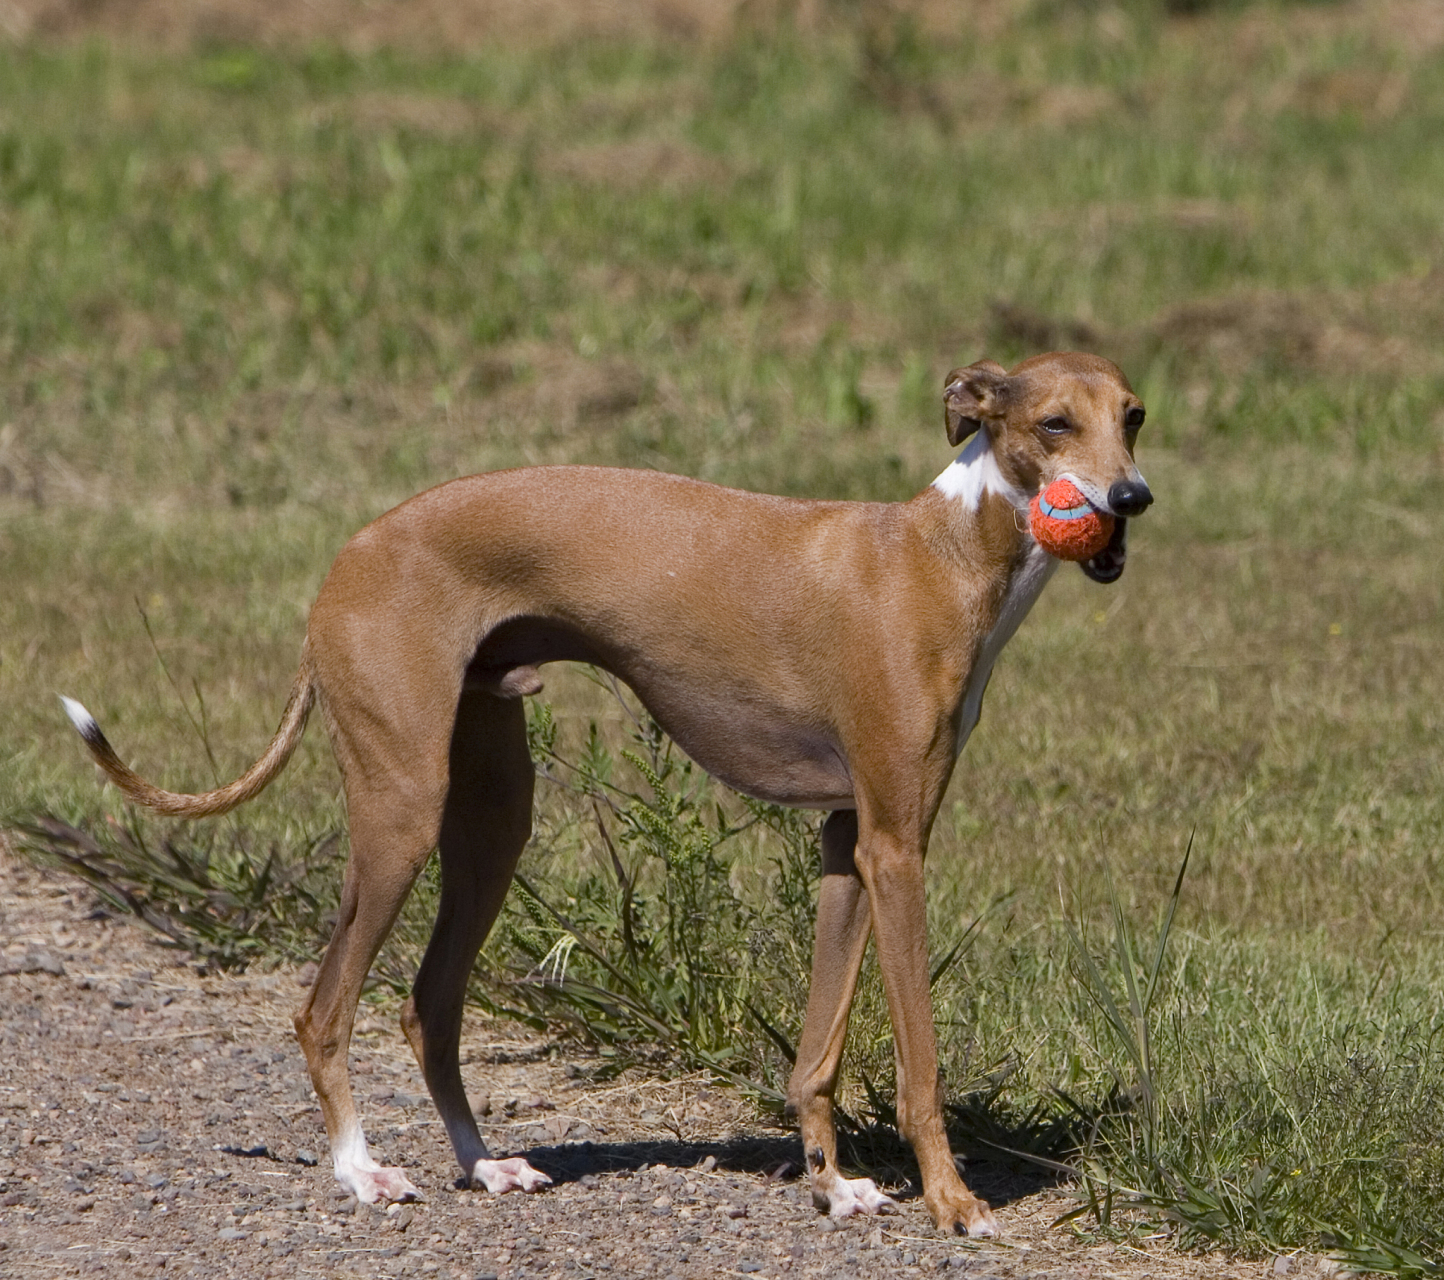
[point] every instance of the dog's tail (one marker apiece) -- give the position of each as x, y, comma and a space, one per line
176, 804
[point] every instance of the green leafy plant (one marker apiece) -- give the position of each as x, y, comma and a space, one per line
669, 940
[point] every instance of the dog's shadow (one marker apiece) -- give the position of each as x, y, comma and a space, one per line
779, 1160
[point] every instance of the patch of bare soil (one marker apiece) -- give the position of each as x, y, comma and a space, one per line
1415, 27
360, 24
364, 25
156, 1119
450, 24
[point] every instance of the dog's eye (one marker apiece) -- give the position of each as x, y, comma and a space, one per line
1133, 419
1055, 426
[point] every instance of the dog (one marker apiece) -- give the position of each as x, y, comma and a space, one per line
827, 655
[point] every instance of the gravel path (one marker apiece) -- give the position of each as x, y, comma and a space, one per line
156, 1119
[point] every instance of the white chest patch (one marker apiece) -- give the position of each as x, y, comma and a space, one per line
975, 472
1027, 585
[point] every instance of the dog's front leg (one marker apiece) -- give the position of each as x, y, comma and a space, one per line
892, 870
842, 928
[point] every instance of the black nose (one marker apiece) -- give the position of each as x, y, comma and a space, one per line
1129, 498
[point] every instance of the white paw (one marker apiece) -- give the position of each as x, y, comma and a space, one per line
378, 1184
499, 1176
985, 1229
848, 1197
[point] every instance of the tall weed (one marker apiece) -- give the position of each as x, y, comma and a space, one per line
1257, 1145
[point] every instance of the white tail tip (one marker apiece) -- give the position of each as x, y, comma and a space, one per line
83, 721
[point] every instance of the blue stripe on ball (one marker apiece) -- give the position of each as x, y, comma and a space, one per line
1063, 513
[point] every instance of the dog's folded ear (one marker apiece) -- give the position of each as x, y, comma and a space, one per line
970, 395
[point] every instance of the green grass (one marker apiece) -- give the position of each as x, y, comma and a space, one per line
251, 298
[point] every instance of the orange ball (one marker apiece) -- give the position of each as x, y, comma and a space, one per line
1065, 524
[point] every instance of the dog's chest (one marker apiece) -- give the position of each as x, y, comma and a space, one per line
1026, 586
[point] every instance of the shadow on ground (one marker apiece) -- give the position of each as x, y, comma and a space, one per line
777, 1159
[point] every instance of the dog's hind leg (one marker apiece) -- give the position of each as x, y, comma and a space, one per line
843, 923
485, 824
390, 842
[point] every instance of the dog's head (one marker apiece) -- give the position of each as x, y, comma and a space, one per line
1060, 414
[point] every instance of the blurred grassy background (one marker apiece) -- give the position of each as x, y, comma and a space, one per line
258, 283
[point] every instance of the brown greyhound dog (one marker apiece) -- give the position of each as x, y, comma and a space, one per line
829, 655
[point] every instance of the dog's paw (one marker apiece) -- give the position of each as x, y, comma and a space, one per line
964, 1215
847, 1197
378, 1185
500, 1176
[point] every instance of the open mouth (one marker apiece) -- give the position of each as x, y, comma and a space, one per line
1107, 565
